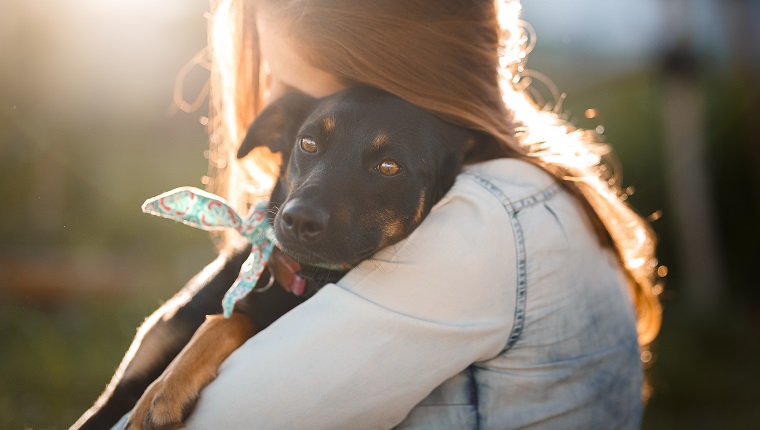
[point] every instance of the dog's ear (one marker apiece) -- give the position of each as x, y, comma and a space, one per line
457, 144
275, 127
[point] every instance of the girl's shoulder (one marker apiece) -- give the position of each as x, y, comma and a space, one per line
516, 178
512, 182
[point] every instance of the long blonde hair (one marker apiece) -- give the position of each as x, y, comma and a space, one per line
465, 63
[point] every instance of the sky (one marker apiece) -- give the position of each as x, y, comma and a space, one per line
629, 28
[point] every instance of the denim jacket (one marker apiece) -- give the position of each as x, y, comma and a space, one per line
500, 311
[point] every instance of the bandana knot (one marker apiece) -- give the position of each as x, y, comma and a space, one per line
210, 212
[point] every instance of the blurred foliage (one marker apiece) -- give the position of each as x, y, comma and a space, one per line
75, 194
72, 192
734, 151
58, 360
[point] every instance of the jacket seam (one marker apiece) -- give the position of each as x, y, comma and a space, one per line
512, 209
474, 394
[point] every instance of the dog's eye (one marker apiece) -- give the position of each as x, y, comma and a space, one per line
308, 144
388, 168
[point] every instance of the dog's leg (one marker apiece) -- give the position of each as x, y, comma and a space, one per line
161, 337
169, 398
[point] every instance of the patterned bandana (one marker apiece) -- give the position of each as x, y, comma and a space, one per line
209, 212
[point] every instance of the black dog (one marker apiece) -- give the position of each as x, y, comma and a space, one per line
361, 170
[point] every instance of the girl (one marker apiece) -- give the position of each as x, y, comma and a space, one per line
523, 300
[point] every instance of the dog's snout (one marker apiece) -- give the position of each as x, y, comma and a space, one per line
304, 222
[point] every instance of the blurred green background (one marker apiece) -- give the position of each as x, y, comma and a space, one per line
88, 131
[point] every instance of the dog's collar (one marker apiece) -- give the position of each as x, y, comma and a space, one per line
210, 212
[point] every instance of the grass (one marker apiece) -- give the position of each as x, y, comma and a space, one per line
57, 360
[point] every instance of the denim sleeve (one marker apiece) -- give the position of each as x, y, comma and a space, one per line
363, 352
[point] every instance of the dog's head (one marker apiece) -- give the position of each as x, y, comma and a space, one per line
361, 169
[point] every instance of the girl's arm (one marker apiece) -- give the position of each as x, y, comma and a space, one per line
363, 352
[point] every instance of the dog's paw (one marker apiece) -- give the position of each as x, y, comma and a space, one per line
170, 398
162, 407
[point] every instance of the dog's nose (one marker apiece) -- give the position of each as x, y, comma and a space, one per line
303, 221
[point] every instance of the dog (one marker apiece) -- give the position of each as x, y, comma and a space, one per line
361, 169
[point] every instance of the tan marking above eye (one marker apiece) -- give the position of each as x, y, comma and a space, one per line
308, 144
328, 124
379, 141
388, 167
